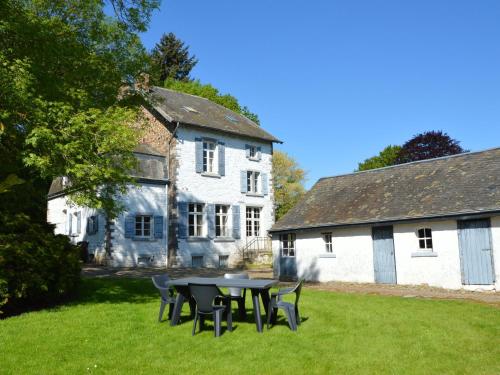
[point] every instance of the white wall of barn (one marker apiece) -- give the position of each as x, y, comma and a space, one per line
353, 251
196, 187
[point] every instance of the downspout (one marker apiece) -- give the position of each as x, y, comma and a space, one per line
170, 185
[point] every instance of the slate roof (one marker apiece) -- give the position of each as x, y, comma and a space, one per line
152, 166
456, 185
194, 110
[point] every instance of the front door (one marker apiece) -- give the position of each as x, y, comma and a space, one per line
383, 255
288, 263
476, 256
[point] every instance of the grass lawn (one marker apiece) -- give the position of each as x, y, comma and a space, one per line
112, 328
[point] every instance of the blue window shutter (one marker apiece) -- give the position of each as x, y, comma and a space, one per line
222, 159
158, 222
243, 181
129, 226
96, 224
236, 222
211, 220
90, 225
199, 154
70, 223
79, 222
265, 184
247, 150
182, 218
259, 153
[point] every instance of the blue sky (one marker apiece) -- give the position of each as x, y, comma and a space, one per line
338, 81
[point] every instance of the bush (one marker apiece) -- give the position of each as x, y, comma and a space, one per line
37, 268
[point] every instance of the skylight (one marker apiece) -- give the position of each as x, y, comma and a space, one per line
231, 118
189, 109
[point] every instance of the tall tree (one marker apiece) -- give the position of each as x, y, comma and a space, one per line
388, 156
211, 93
288, 182
171, 59
428, 145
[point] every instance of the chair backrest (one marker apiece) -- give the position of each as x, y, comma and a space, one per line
204, 295
297, 289
161, 283
236, 292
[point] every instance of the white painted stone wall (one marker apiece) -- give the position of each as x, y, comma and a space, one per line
143, 199
195, 187
353, 251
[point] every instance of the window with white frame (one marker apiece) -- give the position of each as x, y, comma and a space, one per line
327, 237
252, 152
253, 179
143, 226
287, 242
253, 221
195, 220
209, 164
425, 239
221, 220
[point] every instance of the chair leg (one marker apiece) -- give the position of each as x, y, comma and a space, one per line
293, 318
242, 313
291, 322
270, 311
170, 310
297, 315
194, 325
162, 308
229, 318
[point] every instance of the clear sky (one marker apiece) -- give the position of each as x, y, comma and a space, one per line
338, 81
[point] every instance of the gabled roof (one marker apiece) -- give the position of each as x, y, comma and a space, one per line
194, 110
456, 185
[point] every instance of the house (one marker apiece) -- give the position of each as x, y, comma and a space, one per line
214, 199
434, 222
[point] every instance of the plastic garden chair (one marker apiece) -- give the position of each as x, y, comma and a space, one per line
166, 293
236, 295
207, 297
291, 309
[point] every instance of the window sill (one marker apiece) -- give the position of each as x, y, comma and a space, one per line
327, 255
213, 175
255, 195
224, 239
197, 239
143, 239
254, 159
423, 254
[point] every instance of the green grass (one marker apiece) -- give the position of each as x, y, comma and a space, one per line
112, 328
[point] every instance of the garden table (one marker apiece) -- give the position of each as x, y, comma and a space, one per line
257, 286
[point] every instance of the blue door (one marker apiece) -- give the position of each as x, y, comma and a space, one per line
288, 263
476, 255
383, 255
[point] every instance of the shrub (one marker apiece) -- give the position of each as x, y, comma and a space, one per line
37, 268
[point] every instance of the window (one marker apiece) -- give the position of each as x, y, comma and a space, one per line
143, 226
223, 261
253, 182
209, 156
327, 237
195, 219
252, 152
253, 221
197, 261
221, 221
425, 239
92, 224
287, 245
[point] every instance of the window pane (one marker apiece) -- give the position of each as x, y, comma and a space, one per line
429, 243
422, 244
420, 233
428, 232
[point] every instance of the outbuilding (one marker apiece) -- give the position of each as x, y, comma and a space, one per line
434, 222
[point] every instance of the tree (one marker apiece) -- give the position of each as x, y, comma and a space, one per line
171, 59
211, 93
288, 182
62, 65
429, 145
388, 156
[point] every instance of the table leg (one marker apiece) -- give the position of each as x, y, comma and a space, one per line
179, 301
264, 293
256, 309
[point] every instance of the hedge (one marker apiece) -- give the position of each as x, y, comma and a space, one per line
37, 268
